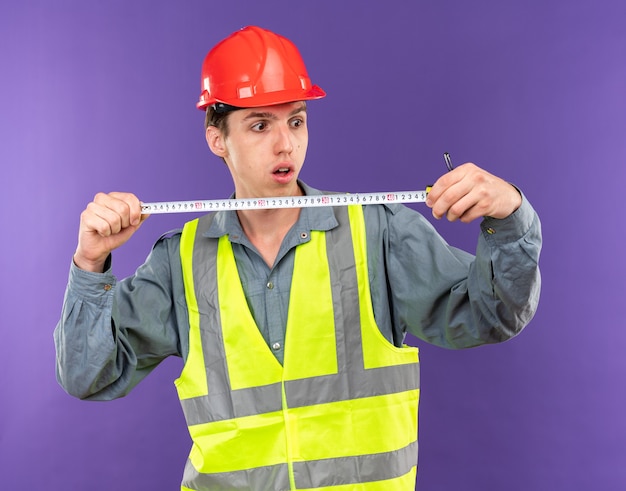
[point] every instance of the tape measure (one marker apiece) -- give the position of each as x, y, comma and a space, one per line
290, 201
203, 206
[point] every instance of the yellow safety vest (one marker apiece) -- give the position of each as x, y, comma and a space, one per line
340, 413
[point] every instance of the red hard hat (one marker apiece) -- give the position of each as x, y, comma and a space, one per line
255, 67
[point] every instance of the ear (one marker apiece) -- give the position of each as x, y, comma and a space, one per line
215, 140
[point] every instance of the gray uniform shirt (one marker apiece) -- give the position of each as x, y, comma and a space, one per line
112, 334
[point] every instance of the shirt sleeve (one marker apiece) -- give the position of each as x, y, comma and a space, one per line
451, 298
112, 334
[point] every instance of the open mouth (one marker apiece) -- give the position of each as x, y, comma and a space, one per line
282, 171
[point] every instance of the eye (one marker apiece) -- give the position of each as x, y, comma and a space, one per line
297, 122
260, 126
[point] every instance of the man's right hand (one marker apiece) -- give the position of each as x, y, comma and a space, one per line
107, 223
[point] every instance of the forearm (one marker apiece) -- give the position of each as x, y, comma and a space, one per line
507, 259
501, 292
91, 361
453, 299
112, 334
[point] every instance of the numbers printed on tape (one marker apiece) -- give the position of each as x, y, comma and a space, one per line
284, 202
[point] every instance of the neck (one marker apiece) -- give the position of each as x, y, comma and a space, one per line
271, 222
266, 229
267, 222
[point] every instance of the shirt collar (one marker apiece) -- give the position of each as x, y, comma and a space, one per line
315, 218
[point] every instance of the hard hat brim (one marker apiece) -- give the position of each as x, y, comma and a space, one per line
267, 99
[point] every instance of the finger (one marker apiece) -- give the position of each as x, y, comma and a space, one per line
101, 219
112, 209
134, 206
466, 198
452, 201
459, 206
92, 221
468, 215
441, 185
125, 205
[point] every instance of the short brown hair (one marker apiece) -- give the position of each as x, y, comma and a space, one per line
217, 119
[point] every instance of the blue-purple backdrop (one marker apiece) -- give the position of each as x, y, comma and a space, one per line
100, 96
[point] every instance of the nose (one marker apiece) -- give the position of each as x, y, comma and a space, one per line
284, 143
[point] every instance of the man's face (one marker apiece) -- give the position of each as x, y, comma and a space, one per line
265, 149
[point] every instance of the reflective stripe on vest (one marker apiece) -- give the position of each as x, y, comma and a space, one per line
340, 413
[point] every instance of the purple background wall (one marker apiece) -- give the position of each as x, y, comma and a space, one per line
100, 96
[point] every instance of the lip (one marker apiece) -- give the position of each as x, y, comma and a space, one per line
283, 173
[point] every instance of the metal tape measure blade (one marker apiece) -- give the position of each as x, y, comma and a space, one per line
202, 206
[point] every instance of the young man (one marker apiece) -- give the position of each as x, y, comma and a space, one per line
291, 321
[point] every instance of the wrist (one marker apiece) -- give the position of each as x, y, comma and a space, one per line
93, 266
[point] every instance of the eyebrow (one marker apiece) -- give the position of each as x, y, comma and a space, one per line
271, 115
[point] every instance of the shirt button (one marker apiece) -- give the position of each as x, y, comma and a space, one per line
276, 346
107, 287
304, 235
270, 285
